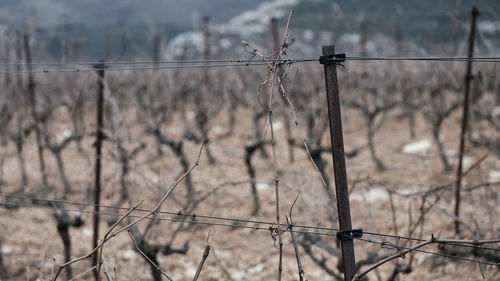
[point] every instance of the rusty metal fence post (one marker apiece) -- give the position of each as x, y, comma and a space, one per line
465, 116
337, 140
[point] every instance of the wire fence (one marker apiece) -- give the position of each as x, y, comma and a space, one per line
252, 61
435, 59
193, 64
237, 220
386, 245
76, 69
269, 226
193, 220
97, 63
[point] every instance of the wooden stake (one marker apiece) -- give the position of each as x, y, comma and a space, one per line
465, 116
337, 140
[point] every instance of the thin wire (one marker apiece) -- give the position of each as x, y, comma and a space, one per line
270, 228
449, 59
232, 61
250, 227
422, 240
94, 63
229, 63
69, 70
166, 212
231, 219
433, 253
394, 236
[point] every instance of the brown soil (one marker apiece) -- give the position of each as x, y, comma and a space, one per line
30, 239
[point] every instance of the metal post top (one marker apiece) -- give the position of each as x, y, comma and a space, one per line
475, 11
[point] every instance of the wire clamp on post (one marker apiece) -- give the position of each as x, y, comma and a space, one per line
101, 66
344, 235
332, 59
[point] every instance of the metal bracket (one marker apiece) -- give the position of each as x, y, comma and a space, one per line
101, 66
344, 235
332, 59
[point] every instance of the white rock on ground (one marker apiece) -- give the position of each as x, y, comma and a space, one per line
419, 147
238, 275
406, 191
355, 197
87, 232
256, 269
218, 130
62, 135
190, 271
262, 186
451, 152
277, 125
468, 161
6, 250
377, 195
494, 175
128, 255
373, 195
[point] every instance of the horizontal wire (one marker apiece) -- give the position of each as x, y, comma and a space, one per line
246, 227
77, 70
270, 228
479, 247
448, 59
432, 253
99, 63
168, 213
394, 236
259, 228
250, 61
231, 63
422, 240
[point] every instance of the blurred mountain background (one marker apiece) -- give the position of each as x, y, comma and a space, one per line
96, 29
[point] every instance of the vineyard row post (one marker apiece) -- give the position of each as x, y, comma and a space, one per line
98, 153
465, 115
339, 166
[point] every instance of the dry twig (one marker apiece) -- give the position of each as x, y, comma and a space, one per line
203, 259
295, 246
